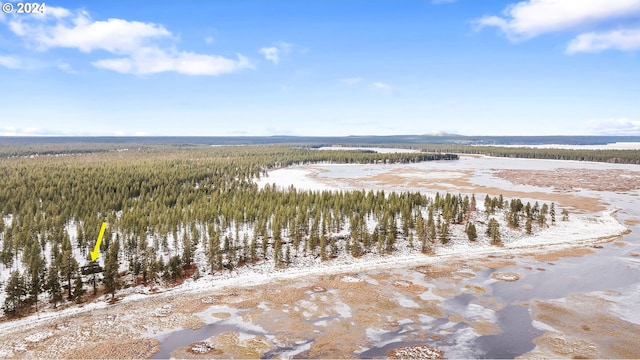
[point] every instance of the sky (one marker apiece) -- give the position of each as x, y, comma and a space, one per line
320, 68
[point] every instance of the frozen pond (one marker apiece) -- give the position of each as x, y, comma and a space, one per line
462, 307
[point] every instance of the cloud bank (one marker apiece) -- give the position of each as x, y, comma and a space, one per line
527, 19
139, 47
615, 127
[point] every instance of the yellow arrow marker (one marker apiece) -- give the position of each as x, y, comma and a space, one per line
96, 250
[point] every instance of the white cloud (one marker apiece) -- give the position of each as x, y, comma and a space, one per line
138, 44
28, 131
66, 67
382, 87
21, 63
621, 126
351, 81
271, 53
153, 60
527, 19
209, 39
285, 47
626, 39
10, 62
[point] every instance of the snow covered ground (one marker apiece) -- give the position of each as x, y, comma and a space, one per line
580, 229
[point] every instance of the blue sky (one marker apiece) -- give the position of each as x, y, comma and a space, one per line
344, 67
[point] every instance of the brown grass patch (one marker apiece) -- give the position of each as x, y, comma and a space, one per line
446, 293
490, 303
565, 179
409, 286
594, 332
115, 349
476, 289
485, 327
620, 243
555, 255
506, 276
380, 277
437, 271
189, 306
365, 293
416, 289
632, 221
221, 315
283, 324
193, 323
367, 316
279, 295
248, 303
337, 342
491, 263
229, 346
415, 352
432, 308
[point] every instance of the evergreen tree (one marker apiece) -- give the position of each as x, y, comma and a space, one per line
542, 216
323, 247
68, 263
53, 285
111, 276
174, 268
431, 231
16, 291
421, 229
6, 257
493, 231
187, 251
528, 225
444, 232
471, 232
252, 249
288, 254
78, 289
552, 213
334, 248
36, 272
214, 255
565, 215
153, 267
245, 247
488, 205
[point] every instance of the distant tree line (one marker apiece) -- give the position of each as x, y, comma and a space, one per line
608, 156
